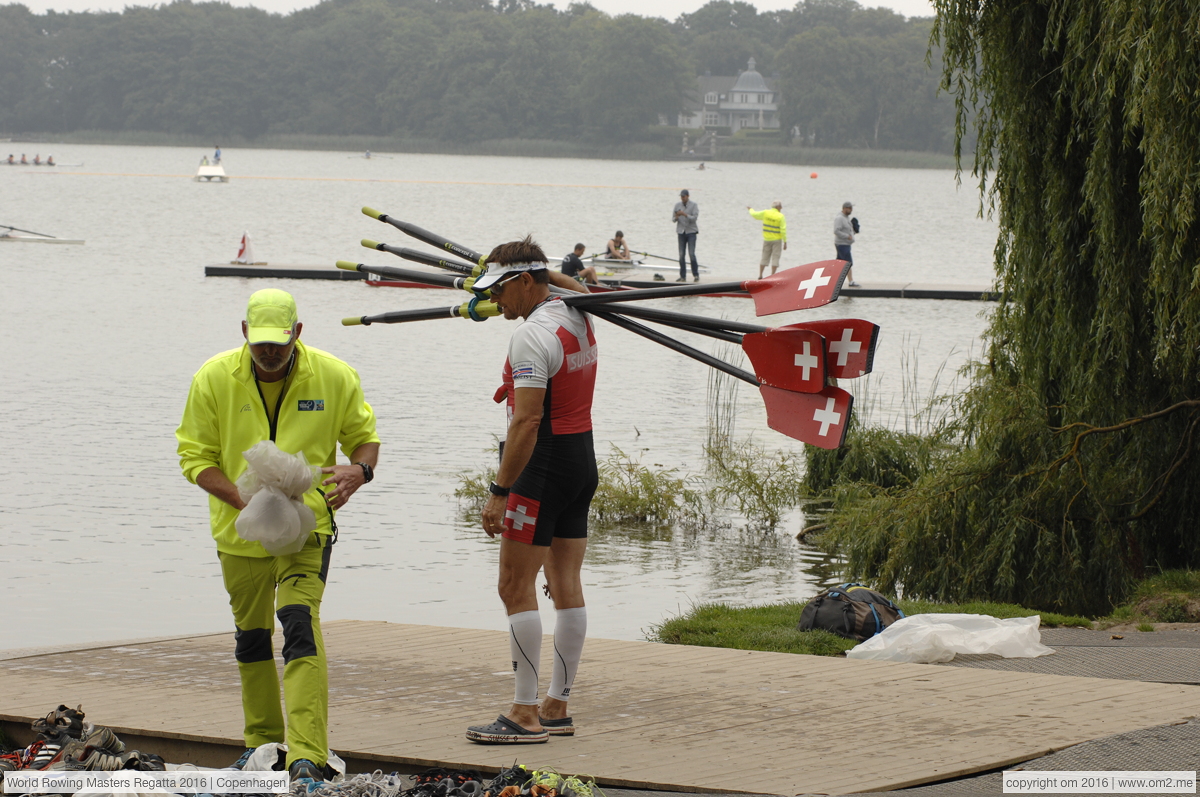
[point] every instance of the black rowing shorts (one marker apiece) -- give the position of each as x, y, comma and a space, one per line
552, 495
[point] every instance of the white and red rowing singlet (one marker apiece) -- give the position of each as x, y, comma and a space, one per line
555, 349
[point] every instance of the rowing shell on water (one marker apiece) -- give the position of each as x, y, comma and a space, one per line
30, 239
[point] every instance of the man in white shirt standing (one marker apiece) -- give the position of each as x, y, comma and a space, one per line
543, 490
843, 236
685, 215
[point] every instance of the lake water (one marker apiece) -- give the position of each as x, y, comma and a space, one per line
102, 538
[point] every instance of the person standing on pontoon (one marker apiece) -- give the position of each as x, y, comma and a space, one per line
774, 232
685, 215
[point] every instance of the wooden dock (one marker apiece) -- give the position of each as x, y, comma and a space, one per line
649, 716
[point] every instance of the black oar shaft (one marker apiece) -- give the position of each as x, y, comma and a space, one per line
729, 337
423, 277
671, 343
697, 321
400, 316
696, 289
418, 256
428, 237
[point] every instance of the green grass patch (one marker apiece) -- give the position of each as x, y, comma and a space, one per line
770, 628
1172, 596
773, 627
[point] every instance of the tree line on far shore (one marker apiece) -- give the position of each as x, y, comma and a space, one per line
464, 70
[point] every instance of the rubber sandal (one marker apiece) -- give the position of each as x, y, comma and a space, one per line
562, 727
505, 731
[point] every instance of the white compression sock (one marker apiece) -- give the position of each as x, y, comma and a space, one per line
570, 629
525, 642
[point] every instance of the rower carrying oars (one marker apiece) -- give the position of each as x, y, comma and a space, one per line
794, 366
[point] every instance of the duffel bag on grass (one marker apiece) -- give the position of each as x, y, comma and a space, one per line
849, 610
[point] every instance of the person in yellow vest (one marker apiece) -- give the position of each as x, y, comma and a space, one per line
774, 236
275, 388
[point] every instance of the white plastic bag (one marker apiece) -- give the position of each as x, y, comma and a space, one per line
269, 467
273, 487
270, 756
931, 638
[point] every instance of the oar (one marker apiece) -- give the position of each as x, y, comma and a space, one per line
423, 277
471, 309
31, 232
421, 257
789, 357
434, 240
819, 418
799, 288
849, 342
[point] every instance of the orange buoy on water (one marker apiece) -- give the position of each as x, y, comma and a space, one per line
813, 175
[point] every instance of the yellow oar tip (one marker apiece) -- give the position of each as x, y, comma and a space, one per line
352, 322
349, 265
372, 212
368, 243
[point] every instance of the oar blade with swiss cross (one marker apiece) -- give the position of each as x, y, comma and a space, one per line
819, 419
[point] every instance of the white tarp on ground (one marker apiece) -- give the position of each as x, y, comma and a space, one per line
932, 638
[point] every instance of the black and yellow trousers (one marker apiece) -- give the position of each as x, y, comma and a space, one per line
290, 588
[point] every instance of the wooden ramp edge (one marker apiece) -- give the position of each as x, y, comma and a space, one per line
650, 716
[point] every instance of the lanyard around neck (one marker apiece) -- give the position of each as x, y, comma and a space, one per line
273, 420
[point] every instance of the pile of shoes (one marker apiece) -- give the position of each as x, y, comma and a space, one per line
439, 782
66, 742
517, 781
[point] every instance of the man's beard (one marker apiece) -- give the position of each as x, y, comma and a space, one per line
268, 364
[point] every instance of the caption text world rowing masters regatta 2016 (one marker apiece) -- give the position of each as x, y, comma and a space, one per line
180, 781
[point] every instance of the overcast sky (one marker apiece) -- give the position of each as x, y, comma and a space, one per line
669, 9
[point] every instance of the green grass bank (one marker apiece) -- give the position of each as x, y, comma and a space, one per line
1170, 597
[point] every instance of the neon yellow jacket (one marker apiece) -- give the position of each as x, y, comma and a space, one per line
774, 224
323, 405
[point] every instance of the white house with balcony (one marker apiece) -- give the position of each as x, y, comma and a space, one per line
747, 101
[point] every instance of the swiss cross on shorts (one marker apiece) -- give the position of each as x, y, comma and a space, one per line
520, 517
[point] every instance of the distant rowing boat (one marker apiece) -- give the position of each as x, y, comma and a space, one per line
19, 236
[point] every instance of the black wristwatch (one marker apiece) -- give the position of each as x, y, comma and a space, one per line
496, 489
368, 472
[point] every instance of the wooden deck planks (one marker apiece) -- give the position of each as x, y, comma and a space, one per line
650, 716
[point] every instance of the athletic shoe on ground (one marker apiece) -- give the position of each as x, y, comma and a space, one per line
101, 737
576, 786
560, 727
697, 279
515, 776
545, 783
853, 284
242, 759
682, 279
303, 768
505, 731
61, 721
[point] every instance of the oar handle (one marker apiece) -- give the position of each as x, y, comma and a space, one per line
472, 309
418, 256
428, 237
671, 343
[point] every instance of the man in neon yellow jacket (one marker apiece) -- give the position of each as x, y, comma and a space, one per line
774, 229
276, 388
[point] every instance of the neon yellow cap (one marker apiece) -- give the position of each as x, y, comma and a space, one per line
271, 317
